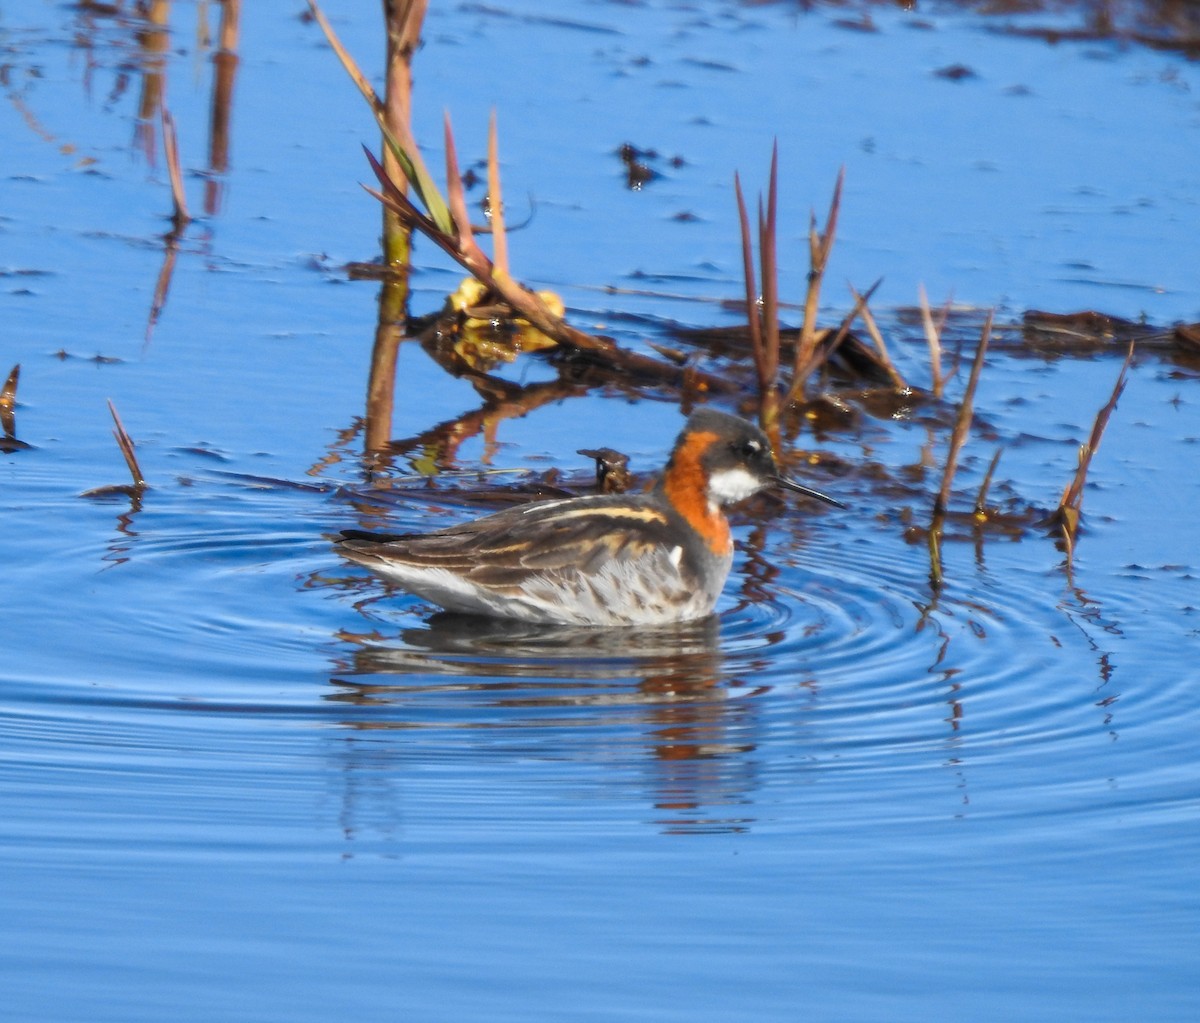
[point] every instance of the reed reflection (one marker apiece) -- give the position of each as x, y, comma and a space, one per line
225, 65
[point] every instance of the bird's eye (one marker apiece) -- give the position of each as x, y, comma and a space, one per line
750, 448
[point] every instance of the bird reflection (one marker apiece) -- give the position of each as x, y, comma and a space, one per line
650, 698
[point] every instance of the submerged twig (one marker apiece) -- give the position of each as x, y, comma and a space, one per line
1067, 514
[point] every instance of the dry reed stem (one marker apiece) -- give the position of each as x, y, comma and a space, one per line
935, 553
448, 226
496, 202
403, 20
748, 276
933, 335
8, 394
523, 301
962, 425
898, 382
819, 248
125, 443
470, 254
401, 144
1068, 511
822, 354
762, 296
934, 342
981, 497
769, 270
180, 217
8, 403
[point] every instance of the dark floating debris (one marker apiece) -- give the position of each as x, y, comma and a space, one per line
955, 73
1089, 330
612, 469
638, 165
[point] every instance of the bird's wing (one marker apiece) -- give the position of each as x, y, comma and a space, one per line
575, 535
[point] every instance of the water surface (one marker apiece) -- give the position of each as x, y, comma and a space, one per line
244, 781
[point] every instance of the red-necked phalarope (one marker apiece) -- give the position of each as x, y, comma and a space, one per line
610, 560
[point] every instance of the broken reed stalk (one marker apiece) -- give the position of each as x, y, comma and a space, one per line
125, 443
885, 359
1066, 516
8, 394
819, 248
933, 332
962, 424
962, 427
180, 216
986, 485
8, 402
796, 390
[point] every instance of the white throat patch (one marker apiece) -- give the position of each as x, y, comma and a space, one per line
728, 486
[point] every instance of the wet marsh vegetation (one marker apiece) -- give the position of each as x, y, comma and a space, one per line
934, 757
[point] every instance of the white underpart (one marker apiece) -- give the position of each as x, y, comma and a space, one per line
646, 591
728, 486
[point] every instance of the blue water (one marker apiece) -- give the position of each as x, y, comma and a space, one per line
241, 780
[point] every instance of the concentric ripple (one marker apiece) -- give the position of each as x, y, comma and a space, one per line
831, 655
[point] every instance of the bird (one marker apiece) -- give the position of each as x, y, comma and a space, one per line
608, 560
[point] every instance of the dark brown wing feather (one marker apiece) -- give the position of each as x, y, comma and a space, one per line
500, 550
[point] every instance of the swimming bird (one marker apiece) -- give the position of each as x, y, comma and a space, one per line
606, 560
